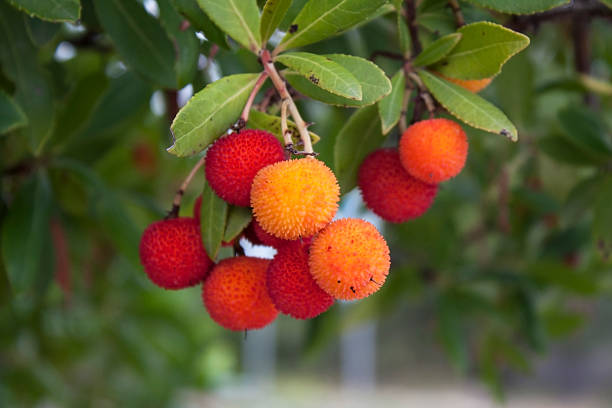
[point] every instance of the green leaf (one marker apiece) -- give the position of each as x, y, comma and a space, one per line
139, 38
213, 216
209, 113
519, 6
482, 51
200, 21
437, 50
584, 129
357, 138
324, 73
117, 224
320, 19
237, 220
595, 84
561, 150
186, 43
602, 218
238, 18
11, 115
404, 35
557, 274
452, 334
40, 31
390, 107
20, 65
51, 10
261, 120
469, 107
26, 238
605, 2
271, 16
560, 323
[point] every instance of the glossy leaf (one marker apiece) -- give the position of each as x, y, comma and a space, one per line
20, 65
271, 123
437, 50
187, 45
390, 107
213, 216
357, 138
320, 19
26, 238
11, 115
238, 18
51, 10
237, 220
139, 39
209, 113
200, 21
482, 51
271, 16
469, 107
324, 73
519, 6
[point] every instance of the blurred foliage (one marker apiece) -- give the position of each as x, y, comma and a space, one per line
505, 255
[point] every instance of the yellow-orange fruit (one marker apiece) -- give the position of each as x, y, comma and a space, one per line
294, 198
236, 296
472, 85
433, 150
349, 259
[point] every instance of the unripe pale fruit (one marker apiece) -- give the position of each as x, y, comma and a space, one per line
291, 286
433, 150
172, 253
389, 191
236, 296
233, 160
349, 259
295, 198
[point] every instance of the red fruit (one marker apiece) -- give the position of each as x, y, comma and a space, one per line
236, 296
291, 286
172, 253
390, 191
249, 233
233, 161
265, 238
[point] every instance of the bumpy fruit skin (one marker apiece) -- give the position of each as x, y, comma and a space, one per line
472, 85
433, 150
172, 254
389, 191
295, 198
236, 296
265, 238
349, 259
233, 160
291, 286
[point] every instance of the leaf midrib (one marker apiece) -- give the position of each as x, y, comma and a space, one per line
475, 50
244, 25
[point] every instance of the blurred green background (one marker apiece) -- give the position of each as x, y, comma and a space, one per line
501, 291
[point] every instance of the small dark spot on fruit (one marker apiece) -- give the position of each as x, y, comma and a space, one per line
293, 28
338, 281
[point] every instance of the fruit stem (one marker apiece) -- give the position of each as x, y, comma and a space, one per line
281, 87
423, 93
176, 204
244, 116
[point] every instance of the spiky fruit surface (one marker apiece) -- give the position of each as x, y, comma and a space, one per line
472, 85
349, 259
389, 191
172, 253
236, 296
433, 150
295, 198
233, 160
265, 238
291, 286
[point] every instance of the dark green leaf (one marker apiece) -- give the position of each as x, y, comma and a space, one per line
359, 136
11, 115
403, 34
200, 21
52, 10
238, 18
602, 218
186, 43
237, 220
390, 107
41, 32
19, 64
561, 150
140, 39
210, 112
320, 19
519, 6
437, 50
117, 224
260, 120
451, 333
560, 323
213, 216
585, 130
26, 238
469, 107
482, 51
324, 73
557, 274
271, 16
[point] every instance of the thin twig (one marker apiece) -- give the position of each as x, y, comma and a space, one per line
582, 49
412, 27
176, 204
424, 96
387, 54
244, 116
459, 20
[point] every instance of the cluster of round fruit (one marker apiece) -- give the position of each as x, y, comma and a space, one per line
293, 204
401, 184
